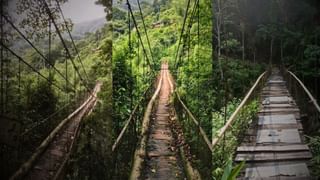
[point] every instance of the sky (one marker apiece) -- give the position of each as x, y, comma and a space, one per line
82, 10
77, 10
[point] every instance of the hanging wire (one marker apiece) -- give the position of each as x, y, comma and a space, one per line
72, 41
64, 44
181, 34
145, 31
139, 35
198, 57
130, 52
2, 60
33, 46
32, 68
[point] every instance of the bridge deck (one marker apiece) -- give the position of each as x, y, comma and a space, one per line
162, 160
50, 164
274, 146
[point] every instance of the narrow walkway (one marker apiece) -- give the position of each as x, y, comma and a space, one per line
274, 146
51, 163
162, 160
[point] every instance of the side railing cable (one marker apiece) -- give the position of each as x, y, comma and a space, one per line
227, 138
309, 108
195, 137
125, 144
26, 166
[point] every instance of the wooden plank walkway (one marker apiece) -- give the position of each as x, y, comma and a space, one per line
51, 163
274, 146
162, 159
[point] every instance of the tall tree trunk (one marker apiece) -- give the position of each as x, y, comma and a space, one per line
254, 56
271, 50
243, 37
281, 51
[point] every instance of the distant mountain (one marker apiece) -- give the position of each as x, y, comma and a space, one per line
80, 29
134, 5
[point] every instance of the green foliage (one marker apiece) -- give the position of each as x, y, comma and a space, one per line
227, 145
229, 172
314, 144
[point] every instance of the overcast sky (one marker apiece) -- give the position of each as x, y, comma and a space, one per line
82, 10
77, 10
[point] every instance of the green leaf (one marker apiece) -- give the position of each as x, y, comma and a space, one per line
236, 170
227, 170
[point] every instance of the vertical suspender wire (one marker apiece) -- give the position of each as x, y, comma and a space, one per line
2, 60
130, 58
146, 32
49, 47
140, 38
181, 35
198, 57
7, 76
225, 81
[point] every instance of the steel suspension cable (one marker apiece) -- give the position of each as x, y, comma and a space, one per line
181, 34
139, 35
2, 60
33, 46
64, 44
145, 31
72, 41
185, 38
31, 67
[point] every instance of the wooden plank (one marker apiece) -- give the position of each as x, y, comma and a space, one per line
281, 110
278, 178
275, 136
273, 148
291, 170
271, 156
279, 99
278, 106
277, 119
281, 126
276, 82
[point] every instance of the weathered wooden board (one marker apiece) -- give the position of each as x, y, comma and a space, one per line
279, 99
277, 119
281, 136
276, 81
273, 148
278, 106
280, 110
273, 156
294, 170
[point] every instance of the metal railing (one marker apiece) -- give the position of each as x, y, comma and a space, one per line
309, 108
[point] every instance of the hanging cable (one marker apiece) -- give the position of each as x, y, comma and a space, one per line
181, 33
145, 31
130, 51
185, 37
33, 46
2, 60
32, 68
198, 57
72, 41
64, 44
139, 35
